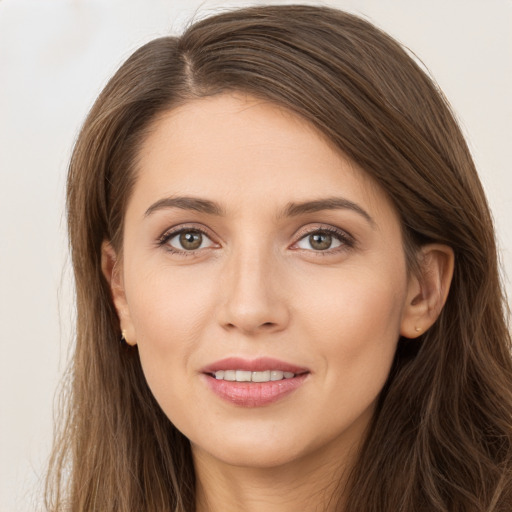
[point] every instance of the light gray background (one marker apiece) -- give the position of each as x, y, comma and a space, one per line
55, 56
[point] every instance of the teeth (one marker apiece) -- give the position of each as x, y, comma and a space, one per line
230, 375
243, 376
260, 376
247, 376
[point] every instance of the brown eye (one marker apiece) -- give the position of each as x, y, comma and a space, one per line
189, 240
322, 241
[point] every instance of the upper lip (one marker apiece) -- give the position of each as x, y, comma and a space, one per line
254, 365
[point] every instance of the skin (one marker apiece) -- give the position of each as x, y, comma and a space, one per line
258, 286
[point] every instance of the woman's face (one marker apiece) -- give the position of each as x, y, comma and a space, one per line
255, 251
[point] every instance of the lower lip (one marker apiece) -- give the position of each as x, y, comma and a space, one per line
254, 394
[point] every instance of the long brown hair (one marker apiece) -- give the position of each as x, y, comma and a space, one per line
441, 436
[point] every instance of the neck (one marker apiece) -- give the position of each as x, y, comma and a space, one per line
313, 483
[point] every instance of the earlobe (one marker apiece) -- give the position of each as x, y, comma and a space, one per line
111, 268
427, 289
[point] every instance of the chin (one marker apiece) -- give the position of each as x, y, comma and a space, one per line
255, 456
243, 446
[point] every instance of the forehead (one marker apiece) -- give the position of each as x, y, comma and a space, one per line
240, 149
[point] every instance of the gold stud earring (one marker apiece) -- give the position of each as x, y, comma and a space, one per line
417, 329
123, 336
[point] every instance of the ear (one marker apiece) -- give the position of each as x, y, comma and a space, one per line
111, 267
427, 289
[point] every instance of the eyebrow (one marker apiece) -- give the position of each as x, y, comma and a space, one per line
291, 210
330, 203
186, 203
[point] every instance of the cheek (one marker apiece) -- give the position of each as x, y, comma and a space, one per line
356, 323
169, 309
167, 302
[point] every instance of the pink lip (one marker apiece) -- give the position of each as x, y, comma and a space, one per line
253, 394
254, 365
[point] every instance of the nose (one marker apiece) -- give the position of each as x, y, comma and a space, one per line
253, 298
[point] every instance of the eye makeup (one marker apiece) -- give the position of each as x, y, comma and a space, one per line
189, 240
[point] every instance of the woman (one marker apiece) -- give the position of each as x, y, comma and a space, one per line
279, 218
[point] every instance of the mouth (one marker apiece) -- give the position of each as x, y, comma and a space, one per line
248, 376
253, 383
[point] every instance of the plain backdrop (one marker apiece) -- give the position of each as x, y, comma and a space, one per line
56, 55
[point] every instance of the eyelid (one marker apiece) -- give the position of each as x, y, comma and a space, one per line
170, 233
347, 240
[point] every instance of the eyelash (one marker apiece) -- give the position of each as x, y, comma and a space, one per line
346, 240
169, 235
